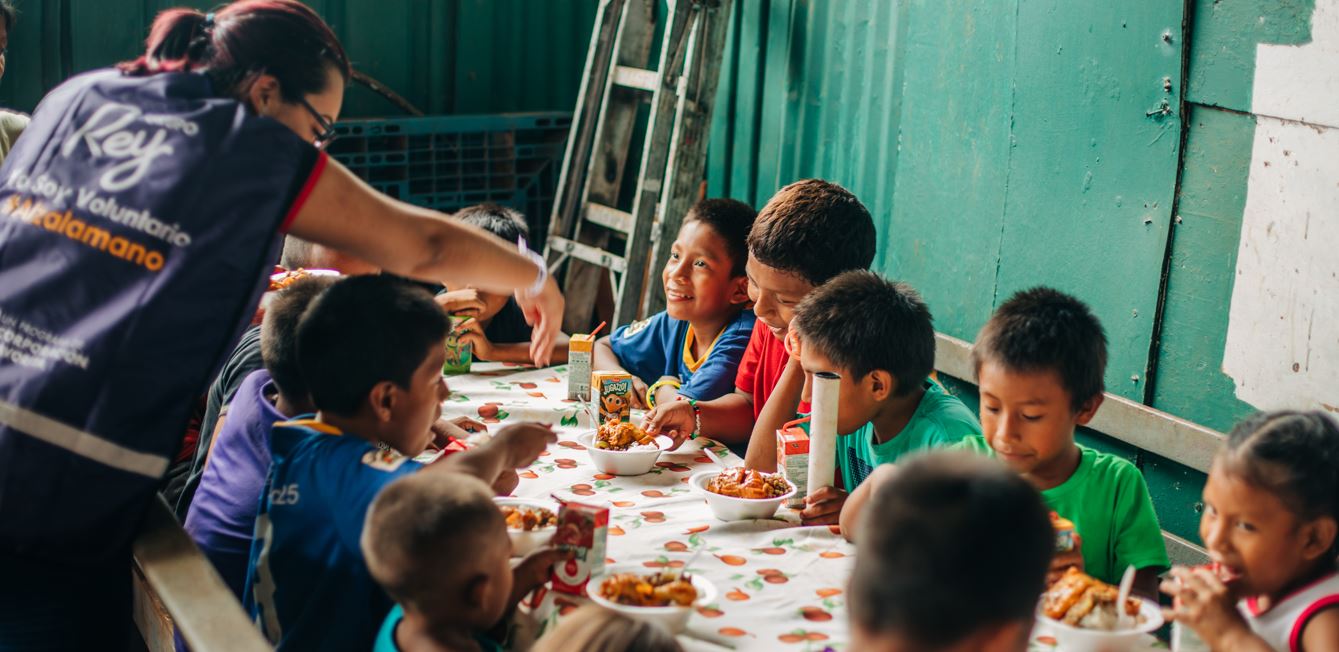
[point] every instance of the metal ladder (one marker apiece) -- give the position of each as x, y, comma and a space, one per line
586, 222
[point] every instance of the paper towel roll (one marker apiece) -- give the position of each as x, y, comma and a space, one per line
823, 430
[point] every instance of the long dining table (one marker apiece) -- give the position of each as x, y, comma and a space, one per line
780, 585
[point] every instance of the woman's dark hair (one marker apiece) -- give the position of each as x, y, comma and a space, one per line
243, 40
1294, 455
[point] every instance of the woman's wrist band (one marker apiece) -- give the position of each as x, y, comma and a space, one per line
538, 286
664, 382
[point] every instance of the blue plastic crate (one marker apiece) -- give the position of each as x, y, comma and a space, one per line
449, 162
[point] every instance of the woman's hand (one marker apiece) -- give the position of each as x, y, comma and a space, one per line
545, 313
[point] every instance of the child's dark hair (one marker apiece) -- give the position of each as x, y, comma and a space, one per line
1293, 455
862, 322
814, 229
279, 334
364, 330
417, 517
951, 543
1044, 329
283, 38
731, 219
502, 221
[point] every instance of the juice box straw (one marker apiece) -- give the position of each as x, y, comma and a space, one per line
823, 431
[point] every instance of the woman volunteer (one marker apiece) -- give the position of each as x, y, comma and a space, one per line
139, 216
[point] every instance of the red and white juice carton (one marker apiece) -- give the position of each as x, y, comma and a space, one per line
792, 457
582, 529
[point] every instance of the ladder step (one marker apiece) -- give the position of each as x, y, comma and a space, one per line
610, 218
638, 78
588, 254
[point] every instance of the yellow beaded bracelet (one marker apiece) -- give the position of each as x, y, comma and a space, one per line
651, 391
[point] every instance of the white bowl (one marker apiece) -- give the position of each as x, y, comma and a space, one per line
672, 618
523, 542
727, 508
629, 462
1077, 639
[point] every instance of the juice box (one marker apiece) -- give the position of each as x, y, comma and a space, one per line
1064, 533
579, 349
582, 529
792, 458
459, 355
612, 393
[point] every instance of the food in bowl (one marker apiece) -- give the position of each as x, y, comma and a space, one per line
527, 519
1080, 600
739, 482
654, 590
623, 436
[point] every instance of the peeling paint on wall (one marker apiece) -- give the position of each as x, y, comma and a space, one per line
1282, 346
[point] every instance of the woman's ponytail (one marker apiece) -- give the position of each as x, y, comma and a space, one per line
178, 41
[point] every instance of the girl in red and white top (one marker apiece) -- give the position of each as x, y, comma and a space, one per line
1271, 512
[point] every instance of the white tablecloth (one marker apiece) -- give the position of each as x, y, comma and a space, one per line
781, 586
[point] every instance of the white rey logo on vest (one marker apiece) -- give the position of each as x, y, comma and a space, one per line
107, 134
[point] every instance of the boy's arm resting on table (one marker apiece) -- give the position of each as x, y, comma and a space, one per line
779, 409
515, 352
727, 419
855, 503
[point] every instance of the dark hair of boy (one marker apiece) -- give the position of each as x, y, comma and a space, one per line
862, 322
8, 12
814, 229
1293, 455
502, 221
1044, 329
364, 330
731, 219
279, 335
417, 517
955, 543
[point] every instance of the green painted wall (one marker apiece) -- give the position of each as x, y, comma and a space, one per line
445, 56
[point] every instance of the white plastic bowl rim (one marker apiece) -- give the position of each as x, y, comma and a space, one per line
587, 439
1151, 612
706, 591
516, 501
699, 481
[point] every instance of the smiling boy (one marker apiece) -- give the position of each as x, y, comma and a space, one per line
692, 348
809, 232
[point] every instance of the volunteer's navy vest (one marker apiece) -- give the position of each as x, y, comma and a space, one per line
139, 217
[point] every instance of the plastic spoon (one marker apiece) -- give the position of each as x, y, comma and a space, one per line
1126, 583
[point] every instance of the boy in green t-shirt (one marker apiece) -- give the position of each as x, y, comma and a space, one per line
879, 337
1039, 363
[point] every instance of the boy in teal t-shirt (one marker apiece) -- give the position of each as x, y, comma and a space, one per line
1039, 364
879, 337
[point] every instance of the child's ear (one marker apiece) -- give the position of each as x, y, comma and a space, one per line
739, 290
1318, 537
1089, 409
476, 592
881, 384
382, 398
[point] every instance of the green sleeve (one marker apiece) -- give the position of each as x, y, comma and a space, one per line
975, 444
1138, 536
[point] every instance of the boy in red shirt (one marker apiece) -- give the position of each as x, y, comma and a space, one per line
809, 232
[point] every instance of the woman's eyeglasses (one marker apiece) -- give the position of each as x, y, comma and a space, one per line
327, 134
